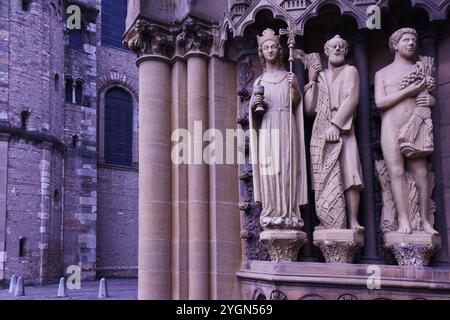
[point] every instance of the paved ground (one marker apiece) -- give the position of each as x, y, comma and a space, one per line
118, 289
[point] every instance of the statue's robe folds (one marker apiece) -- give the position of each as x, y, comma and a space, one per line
270, 154
336, 167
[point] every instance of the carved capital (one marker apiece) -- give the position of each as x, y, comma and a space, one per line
192, 36
177, 39
283, 245
146, 38
338, 252
413, 249
338, 245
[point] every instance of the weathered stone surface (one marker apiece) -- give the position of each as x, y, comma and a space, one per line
283, 245
338, 245
413, 249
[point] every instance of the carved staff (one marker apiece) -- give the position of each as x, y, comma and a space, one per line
291, 32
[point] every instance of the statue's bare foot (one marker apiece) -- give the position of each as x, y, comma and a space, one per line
403, 227
428, 228
356, 227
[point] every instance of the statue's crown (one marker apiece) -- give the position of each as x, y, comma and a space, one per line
268, 34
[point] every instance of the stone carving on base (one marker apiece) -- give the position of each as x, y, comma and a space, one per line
338, 245
279, 184
332, 95
402, 94
283, 245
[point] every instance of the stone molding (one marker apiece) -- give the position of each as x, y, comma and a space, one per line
34, 137
301, 11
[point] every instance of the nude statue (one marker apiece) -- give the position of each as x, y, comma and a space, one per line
397, 106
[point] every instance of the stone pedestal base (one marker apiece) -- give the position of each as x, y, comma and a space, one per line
283, 245
338, 245
413, 249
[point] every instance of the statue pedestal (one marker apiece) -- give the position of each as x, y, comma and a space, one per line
338, 245
283, 245
413, 249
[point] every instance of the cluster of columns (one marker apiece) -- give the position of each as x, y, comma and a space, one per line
182, 252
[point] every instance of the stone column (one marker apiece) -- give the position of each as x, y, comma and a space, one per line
198, 177
155, 203
367, 207
225, 243
429, 48
4, 142
179, 188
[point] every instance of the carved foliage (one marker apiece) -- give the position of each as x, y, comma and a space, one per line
283, 249
193, 37
334, 251
150, 39
412, 254
278, 295
147, 38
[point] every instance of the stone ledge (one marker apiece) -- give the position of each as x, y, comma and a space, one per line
355, 275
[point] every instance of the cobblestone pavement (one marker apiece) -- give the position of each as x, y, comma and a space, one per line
118, 289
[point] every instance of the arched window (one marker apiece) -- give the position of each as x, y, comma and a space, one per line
69, 90
79, 92
23, 247
114, 14
118, 127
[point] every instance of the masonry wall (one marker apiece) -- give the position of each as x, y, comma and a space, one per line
33, 115
117, 225
80, 175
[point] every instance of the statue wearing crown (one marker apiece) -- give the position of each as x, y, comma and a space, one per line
278, 150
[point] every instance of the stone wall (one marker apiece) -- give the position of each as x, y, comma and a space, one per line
117, 226
80, 134
31, 121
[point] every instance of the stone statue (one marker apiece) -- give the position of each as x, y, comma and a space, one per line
272, 145
332, 95
402, 94
337, 174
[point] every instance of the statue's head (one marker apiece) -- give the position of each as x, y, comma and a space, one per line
269, 48
336, 50
404, 42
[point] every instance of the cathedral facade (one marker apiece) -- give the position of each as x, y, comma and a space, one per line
87, 172
202, 237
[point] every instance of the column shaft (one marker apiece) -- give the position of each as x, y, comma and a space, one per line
198, 180
155, 203
179, 188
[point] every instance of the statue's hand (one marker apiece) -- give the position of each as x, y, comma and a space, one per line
415, 88
257, 100
291, 77
426, 101
332, 134
314, 72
